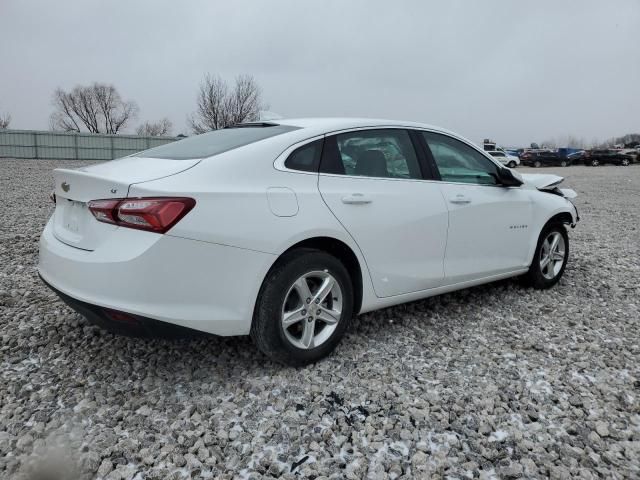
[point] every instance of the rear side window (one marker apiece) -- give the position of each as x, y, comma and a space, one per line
215, 142
384, 153
305, 158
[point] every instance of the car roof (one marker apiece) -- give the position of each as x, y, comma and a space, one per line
311, 127
330, 124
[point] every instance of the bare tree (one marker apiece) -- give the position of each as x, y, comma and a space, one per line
155, 129
572, 141
99, 108
219, 106
5, 120
569, 141
245, 100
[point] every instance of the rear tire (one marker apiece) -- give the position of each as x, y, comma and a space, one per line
291, 327
625, 162
550, 258
537, 164
595, 163
564, 163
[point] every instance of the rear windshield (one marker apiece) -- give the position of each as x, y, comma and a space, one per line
215, 142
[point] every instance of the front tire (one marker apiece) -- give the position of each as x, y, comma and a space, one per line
595, 162
511, 164
550, 257
304, 307
537, 164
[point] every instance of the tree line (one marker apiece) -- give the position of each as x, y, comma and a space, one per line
630, 140
99, 108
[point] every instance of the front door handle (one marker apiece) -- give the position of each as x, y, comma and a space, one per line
356, 199
460, 200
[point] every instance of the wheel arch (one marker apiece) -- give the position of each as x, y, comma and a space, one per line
342, 252
561, 217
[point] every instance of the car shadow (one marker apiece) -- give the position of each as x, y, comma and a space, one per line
210, 358
199, 349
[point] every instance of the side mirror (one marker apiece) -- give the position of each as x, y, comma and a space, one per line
509, 178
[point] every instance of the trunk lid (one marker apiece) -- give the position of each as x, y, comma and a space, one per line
73, 223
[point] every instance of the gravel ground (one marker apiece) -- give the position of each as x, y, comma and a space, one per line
495, 381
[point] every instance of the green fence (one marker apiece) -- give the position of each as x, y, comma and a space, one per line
70, 146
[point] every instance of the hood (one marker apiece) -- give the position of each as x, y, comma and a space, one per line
548, 183
542, 181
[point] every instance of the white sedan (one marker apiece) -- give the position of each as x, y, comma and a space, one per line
505, 158
286, 230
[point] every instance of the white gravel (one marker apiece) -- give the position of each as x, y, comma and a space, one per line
495, 381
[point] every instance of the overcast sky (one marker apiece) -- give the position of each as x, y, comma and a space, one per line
513, 71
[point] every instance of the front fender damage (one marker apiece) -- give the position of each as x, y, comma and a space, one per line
549, 184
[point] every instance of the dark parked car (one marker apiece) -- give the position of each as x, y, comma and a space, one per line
600, 157
539, 159
576, 157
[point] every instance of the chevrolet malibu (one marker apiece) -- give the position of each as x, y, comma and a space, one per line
285, 230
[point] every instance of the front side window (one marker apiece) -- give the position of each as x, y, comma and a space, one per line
383, 153
458, 162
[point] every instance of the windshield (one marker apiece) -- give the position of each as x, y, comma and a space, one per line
215, 142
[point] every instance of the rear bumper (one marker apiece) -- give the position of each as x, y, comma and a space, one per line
123, 323
198, 285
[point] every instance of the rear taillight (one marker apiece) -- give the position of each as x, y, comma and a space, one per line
104, 210
156, 214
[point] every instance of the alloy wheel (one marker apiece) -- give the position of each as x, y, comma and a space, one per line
312, 309
552, 255
537, 164
595, 163
625, 162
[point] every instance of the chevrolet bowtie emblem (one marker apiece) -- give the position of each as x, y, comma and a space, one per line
65, 186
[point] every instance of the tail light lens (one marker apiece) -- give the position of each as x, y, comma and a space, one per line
104, 210
156, 214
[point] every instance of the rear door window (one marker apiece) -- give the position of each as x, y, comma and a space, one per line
380, 153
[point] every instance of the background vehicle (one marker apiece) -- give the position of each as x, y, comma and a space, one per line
500, 154
576, 156
601, 157
544, 158
285, 230
510, 161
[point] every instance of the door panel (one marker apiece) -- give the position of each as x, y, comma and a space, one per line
489, 230
400, 226
371, 179
489, 224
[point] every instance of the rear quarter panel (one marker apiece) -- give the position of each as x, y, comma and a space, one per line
232, 206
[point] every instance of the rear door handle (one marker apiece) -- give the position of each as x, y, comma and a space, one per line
356, 199
460, 200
